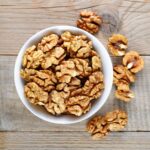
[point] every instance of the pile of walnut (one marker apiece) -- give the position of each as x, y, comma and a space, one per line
124, 74
63, 74
100, 126
89, 21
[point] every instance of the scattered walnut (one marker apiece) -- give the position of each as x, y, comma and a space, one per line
116, 120
32, 58
117, 44
35, 94
48, 42
121, 72
89, 21
124, 95
67, 70
100, 126
97, 126
133, 61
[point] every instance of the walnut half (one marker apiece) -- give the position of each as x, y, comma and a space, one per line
100, 126
89, 21
133, 61
117, 44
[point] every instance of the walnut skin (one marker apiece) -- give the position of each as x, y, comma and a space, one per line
117, 44
89, 21
63, 73
133, 61
100, 126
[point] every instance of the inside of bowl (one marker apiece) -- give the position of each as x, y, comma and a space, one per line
107, 71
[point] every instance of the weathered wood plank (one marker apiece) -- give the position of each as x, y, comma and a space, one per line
73, 141
15, 117
19, 20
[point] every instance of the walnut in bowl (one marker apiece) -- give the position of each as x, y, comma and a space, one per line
63, 80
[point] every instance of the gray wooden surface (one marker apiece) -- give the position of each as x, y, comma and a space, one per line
19, 129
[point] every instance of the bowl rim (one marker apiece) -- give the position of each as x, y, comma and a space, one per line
64, 28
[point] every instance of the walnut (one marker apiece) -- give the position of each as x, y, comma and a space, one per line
121, 72
94, 85
32, 58
97, 126
48, 42
122, 85
44, 78
35, 94
124, 95
133, 61
66, 36
72, 68
89, 21
56, 103
96, 63
77, 101
78, 47
63, 74
116, 120
117, 44
53, 58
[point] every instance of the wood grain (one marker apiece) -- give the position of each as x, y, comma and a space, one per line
73, 141
15, 117
20, 20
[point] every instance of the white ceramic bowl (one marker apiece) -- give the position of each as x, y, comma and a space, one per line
65, 119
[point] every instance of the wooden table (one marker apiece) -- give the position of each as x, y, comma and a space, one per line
22, 130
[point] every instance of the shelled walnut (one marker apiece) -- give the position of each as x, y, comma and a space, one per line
32, 57
122, 79
116, 120
35, 94
100, 126
44, 78
133, 61
48, 42
63, 73
124, 95
97, 127
117, 44
89, 21
121, 72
